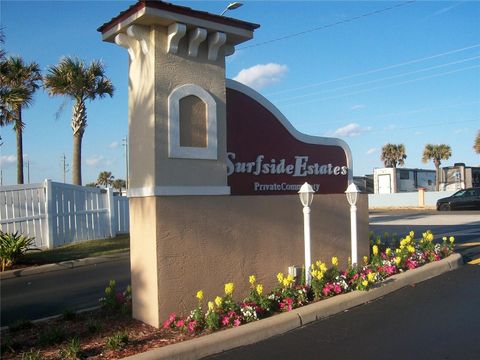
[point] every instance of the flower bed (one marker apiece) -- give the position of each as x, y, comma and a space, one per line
389, 256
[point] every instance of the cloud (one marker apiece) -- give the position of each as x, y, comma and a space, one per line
97, 161
261, 75
390, 127
371, 151
114, 145
352, 129
8, 160
358, 107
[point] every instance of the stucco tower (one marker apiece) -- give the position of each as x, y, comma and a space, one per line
177, 127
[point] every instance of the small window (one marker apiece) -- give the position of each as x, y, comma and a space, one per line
404, 175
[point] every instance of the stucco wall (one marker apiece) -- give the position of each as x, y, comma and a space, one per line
203, 242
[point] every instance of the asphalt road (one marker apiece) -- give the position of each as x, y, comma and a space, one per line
46, 294
37, 296
436, 319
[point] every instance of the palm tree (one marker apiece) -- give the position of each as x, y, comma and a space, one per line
72, 78
18, 83
119, 184
436, 153
105, 178
393, 155
476, 146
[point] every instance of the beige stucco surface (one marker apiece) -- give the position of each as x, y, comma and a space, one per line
204, 242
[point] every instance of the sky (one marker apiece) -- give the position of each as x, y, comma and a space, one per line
367, 72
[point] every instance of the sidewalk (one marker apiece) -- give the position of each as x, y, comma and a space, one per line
282, 323
70, 264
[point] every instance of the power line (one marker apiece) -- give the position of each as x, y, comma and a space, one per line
409, 62
384, 87
381, 79
323, 27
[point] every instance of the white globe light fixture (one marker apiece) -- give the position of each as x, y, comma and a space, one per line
306, 197
352, 196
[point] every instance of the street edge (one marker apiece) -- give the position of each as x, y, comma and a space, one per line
69, 264
279, 324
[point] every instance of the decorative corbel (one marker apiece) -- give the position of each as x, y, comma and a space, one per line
128, 43
196, 38
176, 31
142, 34
229, 49
215, 41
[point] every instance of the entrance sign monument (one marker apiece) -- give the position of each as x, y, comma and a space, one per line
215, 168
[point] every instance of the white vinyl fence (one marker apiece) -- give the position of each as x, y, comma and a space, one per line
57, 214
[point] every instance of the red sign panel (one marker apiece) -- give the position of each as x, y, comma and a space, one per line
266, 158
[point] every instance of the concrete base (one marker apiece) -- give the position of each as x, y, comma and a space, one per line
183, 244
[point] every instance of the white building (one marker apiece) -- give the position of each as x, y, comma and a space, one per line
393, 180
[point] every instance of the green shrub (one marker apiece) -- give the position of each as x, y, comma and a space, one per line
12, 246
69, 315
117, 340
31, 355
72, 351
93, 326
52, 336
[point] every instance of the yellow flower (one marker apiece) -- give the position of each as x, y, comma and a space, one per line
259, 289
319, 263
280, 277
410, 249
388, 251
365, 260
398, 260
412, 234
334, 261
444, 238
229, 288
210, 306
251, 279
364, 282
375, 250
323, 267
452, 239
218, 301
371, 276
319, 275
200, 294
398, 251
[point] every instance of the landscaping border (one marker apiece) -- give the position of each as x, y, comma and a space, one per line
279, 324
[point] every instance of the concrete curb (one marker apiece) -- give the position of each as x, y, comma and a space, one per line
282, 323
70, 264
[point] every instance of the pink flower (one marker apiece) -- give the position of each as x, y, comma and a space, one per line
166, 324
337, 288
225, 320
180, 323
192, 325
236, 322
172, 317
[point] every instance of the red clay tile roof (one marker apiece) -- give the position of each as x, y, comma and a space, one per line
158, 4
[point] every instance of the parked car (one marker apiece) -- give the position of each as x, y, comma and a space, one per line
465, 199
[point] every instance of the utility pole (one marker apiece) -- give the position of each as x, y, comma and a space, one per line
65, 167
125, 144
27, 165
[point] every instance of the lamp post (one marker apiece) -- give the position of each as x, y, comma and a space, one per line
231, 6
306, 197
352, 195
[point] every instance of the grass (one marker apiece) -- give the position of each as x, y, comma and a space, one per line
80, 250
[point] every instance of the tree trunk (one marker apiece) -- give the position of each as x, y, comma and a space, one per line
79, 122
18, 131
437, 174
77, 159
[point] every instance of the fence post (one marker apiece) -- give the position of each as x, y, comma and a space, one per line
111, 212
49, 216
